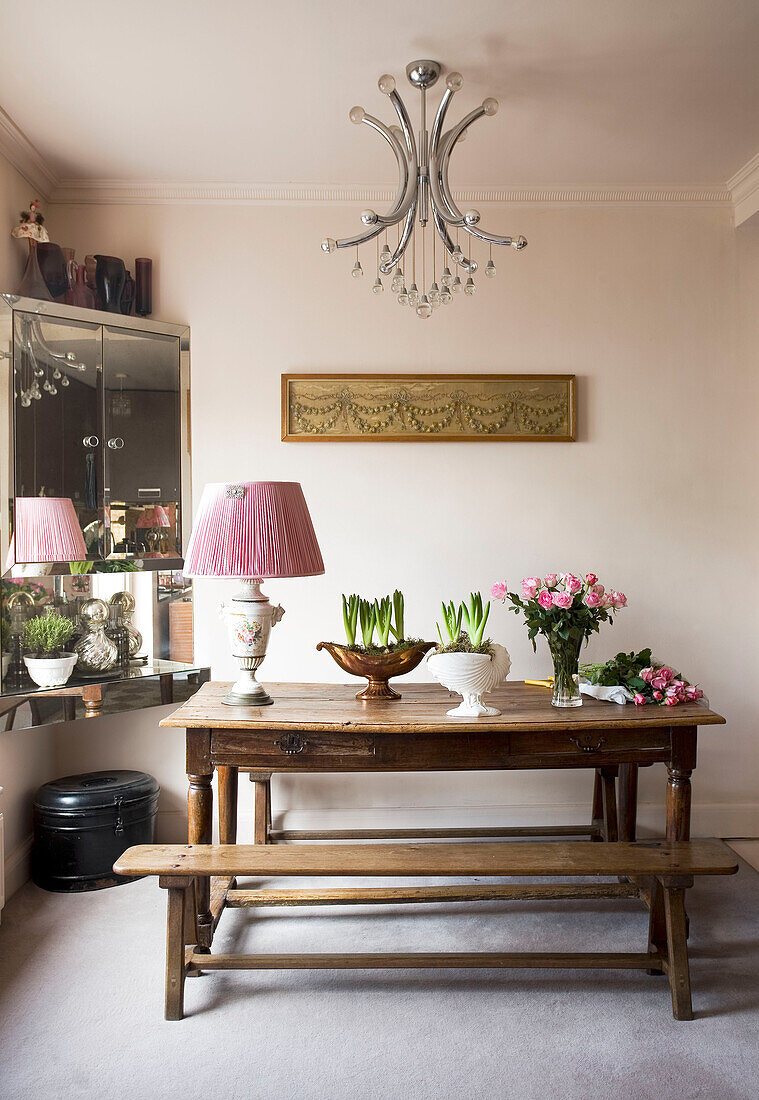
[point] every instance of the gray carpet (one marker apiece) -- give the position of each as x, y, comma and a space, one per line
81, 1005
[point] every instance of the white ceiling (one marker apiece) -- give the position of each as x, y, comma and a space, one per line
592, 92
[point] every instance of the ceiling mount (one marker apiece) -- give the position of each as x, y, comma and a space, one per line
423, 74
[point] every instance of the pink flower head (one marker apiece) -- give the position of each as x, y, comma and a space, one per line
665, 672
530, 586
640, 700
647, 674
590, 578
552, 579
545, 599
562, 599
572, 583
599, 588
592, 599
620, 600
671, 701
694, 693
500, 590
658, 696
658, 683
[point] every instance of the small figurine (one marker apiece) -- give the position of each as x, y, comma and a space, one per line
31, 225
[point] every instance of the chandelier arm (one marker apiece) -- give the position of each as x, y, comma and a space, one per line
437, 125
465, 262
407, 182
408, 132
490, 238
448, 208
360, 238
408, 229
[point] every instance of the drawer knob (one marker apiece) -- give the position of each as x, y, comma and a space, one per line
587, 744
291, 743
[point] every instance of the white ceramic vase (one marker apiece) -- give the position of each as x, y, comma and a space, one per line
51, 672
471, 675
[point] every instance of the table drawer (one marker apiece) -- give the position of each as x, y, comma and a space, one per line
588, 744
281, 748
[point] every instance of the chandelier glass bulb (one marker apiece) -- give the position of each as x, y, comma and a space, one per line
357, 271
457, 255
357, 115
329, 244
490, 106
377, 287
490, 270
386, 84
456, 285
424, 309
446, 278
64, 381
454, 82
403, 297
413, 295
470, 287
385, 254
446, 296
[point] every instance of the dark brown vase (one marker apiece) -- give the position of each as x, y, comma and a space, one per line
143, 273
53, 267
80, 294
110, 276
127, 297
377, 668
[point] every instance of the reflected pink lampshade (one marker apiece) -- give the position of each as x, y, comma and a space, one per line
157, 516
253, 529
46, 530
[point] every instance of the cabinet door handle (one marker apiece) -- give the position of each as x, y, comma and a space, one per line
116, 443
91, 441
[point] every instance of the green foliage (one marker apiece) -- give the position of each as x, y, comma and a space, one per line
475, 617
46, 635
350, 617
371, 615
367, 619
622, 669
567, 624
451, 623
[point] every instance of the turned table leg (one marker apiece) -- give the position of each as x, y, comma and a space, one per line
227, 780
609, 801
200, 831
681, 764
262, 806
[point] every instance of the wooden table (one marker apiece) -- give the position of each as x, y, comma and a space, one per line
323, 728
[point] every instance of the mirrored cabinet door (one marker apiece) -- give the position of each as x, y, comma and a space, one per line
57, 423
141, 445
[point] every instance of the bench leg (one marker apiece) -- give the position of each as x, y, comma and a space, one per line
199, 831
179, 896
597, 807
657, 928
677, 950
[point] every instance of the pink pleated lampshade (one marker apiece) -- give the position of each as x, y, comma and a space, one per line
255, 529
157, 516
46, 529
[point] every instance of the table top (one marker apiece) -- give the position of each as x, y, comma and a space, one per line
422, 708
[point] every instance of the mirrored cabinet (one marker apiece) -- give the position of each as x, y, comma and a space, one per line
96, 506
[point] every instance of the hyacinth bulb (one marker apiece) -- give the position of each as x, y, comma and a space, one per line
329, 245
377, 287
470, 287
424, 309
446, 278
403, 297
456, 285
490, 270
413, 295
357, 270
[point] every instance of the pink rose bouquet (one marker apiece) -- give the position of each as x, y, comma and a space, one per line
565, 608
646, 679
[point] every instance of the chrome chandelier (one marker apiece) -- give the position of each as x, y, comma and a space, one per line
423, 193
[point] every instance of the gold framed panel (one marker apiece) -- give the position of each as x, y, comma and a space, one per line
395, 408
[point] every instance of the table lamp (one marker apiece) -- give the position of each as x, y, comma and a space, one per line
252, 531
46, 530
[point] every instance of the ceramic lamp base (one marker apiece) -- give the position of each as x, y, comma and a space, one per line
246, 690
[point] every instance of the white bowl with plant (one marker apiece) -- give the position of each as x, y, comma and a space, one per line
465, 661
44, 638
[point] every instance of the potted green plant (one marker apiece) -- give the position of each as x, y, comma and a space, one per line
465, 661
44, 637
392, 654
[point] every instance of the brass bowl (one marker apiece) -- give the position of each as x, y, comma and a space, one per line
378, 668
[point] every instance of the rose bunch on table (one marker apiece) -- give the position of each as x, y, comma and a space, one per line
562, 605
648, 680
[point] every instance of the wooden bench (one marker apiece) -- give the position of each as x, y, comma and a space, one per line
660, 871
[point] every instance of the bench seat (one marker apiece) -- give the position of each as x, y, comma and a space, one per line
658, 870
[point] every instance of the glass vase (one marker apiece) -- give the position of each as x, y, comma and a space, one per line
565, 654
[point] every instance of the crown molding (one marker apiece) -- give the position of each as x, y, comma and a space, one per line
744, 189
19, 151
151, 192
